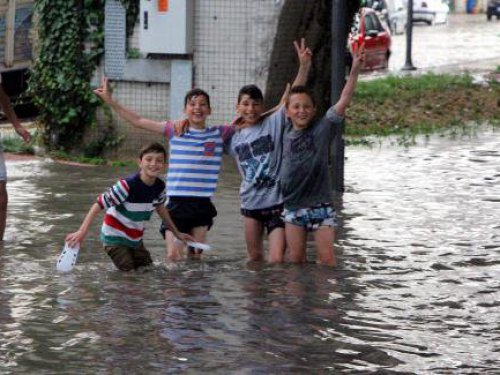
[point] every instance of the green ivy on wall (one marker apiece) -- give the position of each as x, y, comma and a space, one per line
71, 40
70, 44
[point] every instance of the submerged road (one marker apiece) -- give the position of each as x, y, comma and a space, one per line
467, 42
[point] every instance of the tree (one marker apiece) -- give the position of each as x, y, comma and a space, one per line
312, 20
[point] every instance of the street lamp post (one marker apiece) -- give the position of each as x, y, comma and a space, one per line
409, 31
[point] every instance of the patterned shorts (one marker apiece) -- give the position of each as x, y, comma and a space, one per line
311, 218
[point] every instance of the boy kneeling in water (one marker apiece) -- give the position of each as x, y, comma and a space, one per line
128, 204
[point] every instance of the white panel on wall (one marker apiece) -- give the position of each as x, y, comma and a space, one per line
166, 26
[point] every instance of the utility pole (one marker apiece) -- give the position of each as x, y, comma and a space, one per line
339, 39
409, 31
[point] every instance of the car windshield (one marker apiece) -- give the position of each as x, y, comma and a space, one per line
372, 23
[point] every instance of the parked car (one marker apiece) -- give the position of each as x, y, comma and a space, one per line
431, 11
368, 28
493, 9
393, 12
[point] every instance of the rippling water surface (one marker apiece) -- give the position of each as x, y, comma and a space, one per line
417, 289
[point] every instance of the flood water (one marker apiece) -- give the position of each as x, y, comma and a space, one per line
416, 291
467, 41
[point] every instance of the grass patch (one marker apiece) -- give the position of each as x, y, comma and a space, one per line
61, 155
425, 104
124, 163
409, 86
17, 146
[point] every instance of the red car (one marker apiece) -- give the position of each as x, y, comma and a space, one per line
368, 28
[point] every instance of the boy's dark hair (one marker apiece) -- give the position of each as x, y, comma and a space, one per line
194, 93
252, 91
153, 147
300, 90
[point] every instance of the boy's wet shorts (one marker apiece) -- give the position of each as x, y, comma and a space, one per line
128, 258
190, 212
3, 169
311, 218
270, 217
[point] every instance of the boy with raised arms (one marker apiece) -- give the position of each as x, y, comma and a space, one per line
257, 148
304, 173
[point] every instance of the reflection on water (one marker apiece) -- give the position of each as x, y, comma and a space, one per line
417, 289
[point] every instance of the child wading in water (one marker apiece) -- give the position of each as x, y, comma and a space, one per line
257, 147
195, 159
304, 173
128, 204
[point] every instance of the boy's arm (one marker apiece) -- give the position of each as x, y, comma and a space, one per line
11, 116
350, 86
137, 121
163, 212
279, 105
305, 60
78, 236
304, 55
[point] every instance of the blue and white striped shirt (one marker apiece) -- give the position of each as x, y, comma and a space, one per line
195, 160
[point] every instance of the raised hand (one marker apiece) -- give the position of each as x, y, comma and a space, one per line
359, 56
303, 52
104, 91
304, 55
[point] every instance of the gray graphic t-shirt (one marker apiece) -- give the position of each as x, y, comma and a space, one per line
304, 174
257, 150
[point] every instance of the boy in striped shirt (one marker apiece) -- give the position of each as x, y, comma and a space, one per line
129, 204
